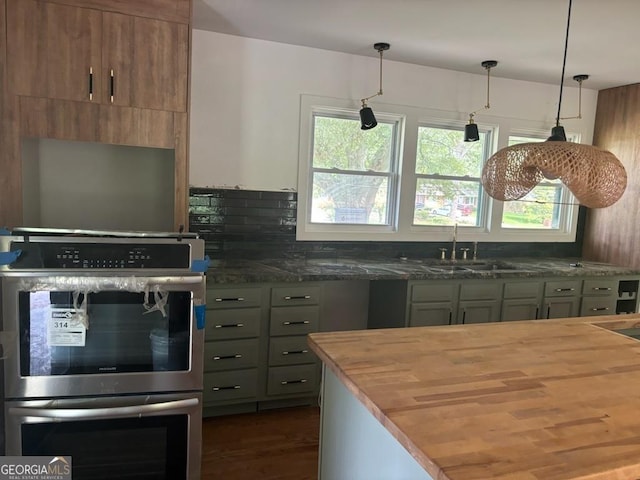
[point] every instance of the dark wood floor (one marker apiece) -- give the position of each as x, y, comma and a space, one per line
277, 444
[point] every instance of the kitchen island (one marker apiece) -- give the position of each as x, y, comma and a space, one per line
531, 400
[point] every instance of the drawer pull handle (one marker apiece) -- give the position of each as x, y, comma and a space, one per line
231, 387
565, 289
90, 83
599, 309
230, 325
295, 352
606, 289
301, 322
298, 297
290, 382
232, 299
227, 357
112, 81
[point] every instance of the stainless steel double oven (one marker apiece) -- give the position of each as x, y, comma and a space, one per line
104, 361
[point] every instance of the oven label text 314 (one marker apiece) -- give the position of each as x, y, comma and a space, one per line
66, 327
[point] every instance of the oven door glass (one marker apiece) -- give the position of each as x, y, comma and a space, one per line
66, 333
155, 437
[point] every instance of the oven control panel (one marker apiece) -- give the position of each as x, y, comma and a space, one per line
100, 256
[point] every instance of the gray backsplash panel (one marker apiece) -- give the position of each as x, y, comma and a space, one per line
252, 224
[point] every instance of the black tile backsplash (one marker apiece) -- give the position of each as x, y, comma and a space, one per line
250, 224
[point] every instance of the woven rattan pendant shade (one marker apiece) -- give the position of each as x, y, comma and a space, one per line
595, 177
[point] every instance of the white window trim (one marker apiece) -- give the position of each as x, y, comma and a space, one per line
404, 230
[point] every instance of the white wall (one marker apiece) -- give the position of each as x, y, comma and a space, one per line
245, 102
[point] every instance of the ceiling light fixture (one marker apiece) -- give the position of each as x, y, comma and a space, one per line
595, 177
367, 118
471, 133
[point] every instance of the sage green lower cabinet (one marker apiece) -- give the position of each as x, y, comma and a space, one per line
256, 355
465, 301
432, 302
521, 300
235, 318
562, 298
480, 301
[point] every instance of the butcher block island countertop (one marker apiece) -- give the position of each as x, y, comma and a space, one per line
540, 400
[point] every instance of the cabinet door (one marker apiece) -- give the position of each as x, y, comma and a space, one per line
149, 60
430, 314
482, 311
561, 307
521, 309
52, 49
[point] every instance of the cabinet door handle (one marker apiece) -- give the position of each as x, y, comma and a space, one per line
565, 289
599, 309
290, 382
230, 387
230, 299
537, 311
90, 83
598, 289
450, 316
227, 357
295, 352
297, 297
300, 322
464, 315
549, 311
111, 85
230, 325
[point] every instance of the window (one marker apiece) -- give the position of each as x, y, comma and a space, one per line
541, 207
413, 177
448, 170
353, 172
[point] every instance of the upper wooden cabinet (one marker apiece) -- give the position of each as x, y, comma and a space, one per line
72, 53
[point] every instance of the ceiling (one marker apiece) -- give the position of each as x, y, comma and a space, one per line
526, 37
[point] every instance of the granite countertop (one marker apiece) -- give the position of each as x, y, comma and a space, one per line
539, 399
298, 270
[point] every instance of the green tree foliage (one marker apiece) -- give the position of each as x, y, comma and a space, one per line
340, 144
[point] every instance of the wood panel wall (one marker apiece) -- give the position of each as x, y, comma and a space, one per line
10, 171
613, 234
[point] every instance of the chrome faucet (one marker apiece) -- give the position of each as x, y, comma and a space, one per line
453, 247
475, 251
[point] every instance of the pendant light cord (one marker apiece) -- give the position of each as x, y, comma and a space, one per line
564, 61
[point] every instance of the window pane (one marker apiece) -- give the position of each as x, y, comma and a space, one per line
540, 208
340, 143
445, 202
345, 198
444, 151
528, 213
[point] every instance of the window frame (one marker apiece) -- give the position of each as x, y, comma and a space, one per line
402, 228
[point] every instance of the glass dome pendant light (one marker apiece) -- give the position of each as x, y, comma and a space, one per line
367, 118
595, 177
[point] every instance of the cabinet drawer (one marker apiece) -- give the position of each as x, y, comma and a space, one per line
521, 290
223, 386
305, 295
564, 288
600, 287
234, 297
483, 290
294, 320
235, 323
434, 292
290, 351
294, 379
598, 305
430, 314
230, 355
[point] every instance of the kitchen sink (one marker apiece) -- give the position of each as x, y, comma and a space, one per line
476, 267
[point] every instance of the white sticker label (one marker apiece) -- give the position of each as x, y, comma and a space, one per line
67, 327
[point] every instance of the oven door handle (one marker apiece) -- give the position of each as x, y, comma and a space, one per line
100, 413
